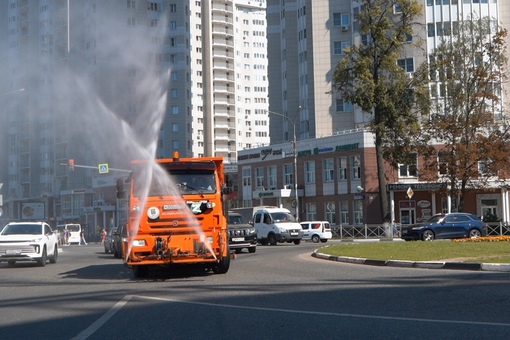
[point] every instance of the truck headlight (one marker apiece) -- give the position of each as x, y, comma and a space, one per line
139, 243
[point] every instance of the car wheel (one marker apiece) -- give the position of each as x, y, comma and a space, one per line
11, 262
42, 260
222, 266
271, 239
428, 235
475, 233
140, 271
252, 250
315, 238
238, 250
324, 240
263, 241
296, 242
54, 257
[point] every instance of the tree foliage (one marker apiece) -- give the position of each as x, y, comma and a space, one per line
370, 77
467, 123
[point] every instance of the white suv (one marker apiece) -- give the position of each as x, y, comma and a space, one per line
316, 231
28, 241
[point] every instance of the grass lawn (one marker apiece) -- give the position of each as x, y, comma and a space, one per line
484, 252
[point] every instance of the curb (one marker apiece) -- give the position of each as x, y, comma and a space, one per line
417, 264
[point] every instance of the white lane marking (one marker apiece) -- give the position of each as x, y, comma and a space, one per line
108, 315
103, 319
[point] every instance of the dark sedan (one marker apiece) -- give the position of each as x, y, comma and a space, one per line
119, 236
108, 242
446, 226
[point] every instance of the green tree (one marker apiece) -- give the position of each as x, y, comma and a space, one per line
467, 135
370, 76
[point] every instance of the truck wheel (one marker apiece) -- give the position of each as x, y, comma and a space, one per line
140, 271
296, 242
222, 266
252, 249
271, 239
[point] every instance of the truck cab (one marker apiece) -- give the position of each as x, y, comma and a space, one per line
276, 225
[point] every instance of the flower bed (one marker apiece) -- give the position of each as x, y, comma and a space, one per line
484, 239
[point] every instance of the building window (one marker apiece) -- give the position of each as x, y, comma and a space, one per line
271, 172
310, 172
246, 177
341, 19
408, 170
311, 212
343, 106
175, 110
175, 127
344, 212
358, 212
340, 46
407, 64
259, 176
329, 170
175, 144
330, 212
287, 174
342, 168
356, 167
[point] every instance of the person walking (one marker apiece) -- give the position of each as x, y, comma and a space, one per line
82, 238
103, 236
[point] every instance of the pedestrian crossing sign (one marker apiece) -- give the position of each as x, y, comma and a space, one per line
103, 168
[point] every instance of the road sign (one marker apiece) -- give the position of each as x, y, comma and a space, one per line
103, 168
410, 192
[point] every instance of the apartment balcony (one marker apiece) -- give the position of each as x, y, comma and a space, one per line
221, 75
24, 177
219, 41
223, 100
223, 112
217, 18
222, 30
223, 65
222, 7
223, 89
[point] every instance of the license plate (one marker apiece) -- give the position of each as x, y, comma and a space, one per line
13, 252
238, 239
294, 234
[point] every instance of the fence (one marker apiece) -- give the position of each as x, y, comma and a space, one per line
390, 231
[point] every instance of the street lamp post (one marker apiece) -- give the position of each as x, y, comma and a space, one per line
296, 197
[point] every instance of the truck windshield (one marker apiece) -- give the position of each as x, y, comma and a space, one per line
282, 217
184, 182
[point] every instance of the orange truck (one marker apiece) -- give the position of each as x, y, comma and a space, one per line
176, 214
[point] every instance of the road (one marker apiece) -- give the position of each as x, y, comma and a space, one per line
280, 292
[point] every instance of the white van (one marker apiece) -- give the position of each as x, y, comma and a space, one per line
74, 230
316, 231
276, 225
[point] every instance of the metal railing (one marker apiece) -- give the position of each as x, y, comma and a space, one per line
367, 231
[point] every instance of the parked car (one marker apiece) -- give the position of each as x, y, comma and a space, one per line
446, 226
241, 234
119, 236
28, 241
316, 231
108, 242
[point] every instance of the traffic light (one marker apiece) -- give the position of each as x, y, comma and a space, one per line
71, 165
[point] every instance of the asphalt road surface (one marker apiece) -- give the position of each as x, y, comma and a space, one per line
279, 292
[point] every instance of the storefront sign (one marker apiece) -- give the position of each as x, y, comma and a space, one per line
424, 204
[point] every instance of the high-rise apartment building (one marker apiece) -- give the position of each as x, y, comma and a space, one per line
306, 40
83, 80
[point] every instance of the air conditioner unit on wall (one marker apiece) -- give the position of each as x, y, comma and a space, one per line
345, 28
